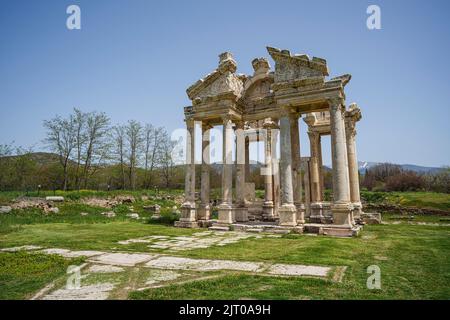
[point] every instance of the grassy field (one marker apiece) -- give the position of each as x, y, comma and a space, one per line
22, 274
414, 258
430, 200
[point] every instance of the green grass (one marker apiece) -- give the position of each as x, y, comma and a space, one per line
431, 200
22, 274
414, 259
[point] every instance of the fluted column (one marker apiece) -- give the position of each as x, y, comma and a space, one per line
320, 165
315, 174
306, 169
341, 207
353, 166
188, 212
315, 182
240, 212
275, 171
287, 210
296, 171
204, 210
268, 206
225, 208
247, 159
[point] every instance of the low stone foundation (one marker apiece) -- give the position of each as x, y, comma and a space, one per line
312, 228
186, 224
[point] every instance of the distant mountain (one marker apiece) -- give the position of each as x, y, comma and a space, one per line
46, 158
363, 165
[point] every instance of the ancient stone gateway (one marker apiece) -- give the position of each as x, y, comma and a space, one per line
268, 106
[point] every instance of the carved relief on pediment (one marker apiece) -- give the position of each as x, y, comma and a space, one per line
299, 66
259, 90
287, 69
227, 82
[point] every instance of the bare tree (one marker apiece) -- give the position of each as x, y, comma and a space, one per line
152, 139
97, 125
80, 139
133, 133
166, 160
118, 137
61, 138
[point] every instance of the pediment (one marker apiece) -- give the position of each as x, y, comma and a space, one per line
294, 67
221, 81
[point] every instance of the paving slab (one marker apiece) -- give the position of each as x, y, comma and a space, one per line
66, 253
298, 270
176, 263
91, 292
104, 268
123, 259
25, 248
231, 265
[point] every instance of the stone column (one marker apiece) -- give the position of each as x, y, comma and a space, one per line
321, 184
204, 210
316, 204
268, 206
287, 211
247, 159
241, 211
296, 171
341, 207
306, 169
188, 212
225, 208
353, 167
275, 171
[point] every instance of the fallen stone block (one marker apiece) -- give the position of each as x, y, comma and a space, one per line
54, 198
5, 209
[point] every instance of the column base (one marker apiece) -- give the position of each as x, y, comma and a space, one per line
300, 213
186, 224
342, 214
268, 210
226, 214
241, 214
317, 214
340, 231
188, 216
288, 215
204, 212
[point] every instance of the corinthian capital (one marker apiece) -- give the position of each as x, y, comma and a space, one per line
336, 103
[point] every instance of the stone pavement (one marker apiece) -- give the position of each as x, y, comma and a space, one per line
198, 240
161, 270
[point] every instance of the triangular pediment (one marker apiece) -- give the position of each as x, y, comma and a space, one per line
220, 81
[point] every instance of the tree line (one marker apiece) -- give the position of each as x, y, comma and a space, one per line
87, 151
391, 177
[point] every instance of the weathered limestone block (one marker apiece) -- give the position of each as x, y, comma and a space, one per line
5, 209
54, 198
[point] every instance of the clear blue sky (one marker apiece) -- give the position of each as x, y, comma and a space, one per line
134, 60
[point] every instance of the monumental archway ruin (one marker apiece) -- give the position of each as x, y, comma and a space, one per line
264, 106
